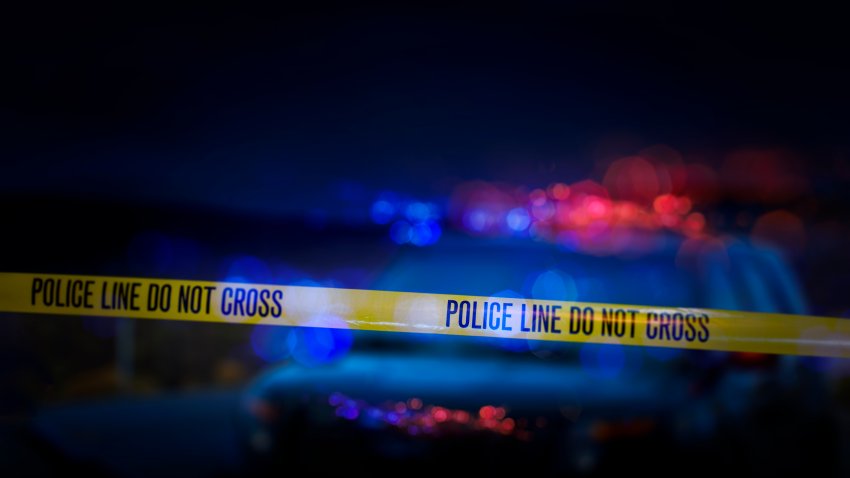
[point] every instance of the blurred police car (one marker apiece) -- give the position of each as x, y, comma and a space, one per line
394, 402
509, 405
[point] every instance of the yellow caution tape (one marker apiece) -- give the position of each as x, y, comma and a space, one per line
560, 321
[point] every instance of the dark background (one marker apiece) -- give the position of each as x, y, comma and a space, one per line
263, 109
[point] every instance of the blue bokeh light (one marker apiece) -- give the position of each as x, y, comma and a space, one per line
425, 233
419, 212
311, 346
383, 211
285, 274
270, 342
475, 220
554, 285
248, 269
400, 232
411, 221
602, 360
518, 219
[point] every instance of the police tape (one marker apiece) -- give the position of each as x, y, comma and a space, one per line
511, 318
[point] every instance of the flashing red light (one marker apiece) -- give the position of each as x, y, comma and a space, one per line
694, 223
487, 412
683, 205
598, 208
665, 204
488, 423
461, 416
440, 414
639, 195
559, 191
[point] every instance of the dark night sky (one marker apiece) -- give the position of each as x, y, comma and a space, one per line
269, 109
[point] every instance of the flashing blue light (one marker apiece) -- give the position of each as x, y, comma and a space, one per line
602, 360
419, 211
269, 343
475, 220
508, 294
518, 219
348, 410
285, 274
425, 233
306, 282
383, 211
248, 269
316, 346
400, 232
554, 285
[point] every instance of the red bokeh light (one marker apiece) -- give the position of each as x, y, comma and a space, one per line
559, 191
440, 414
461, 416
487, 412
